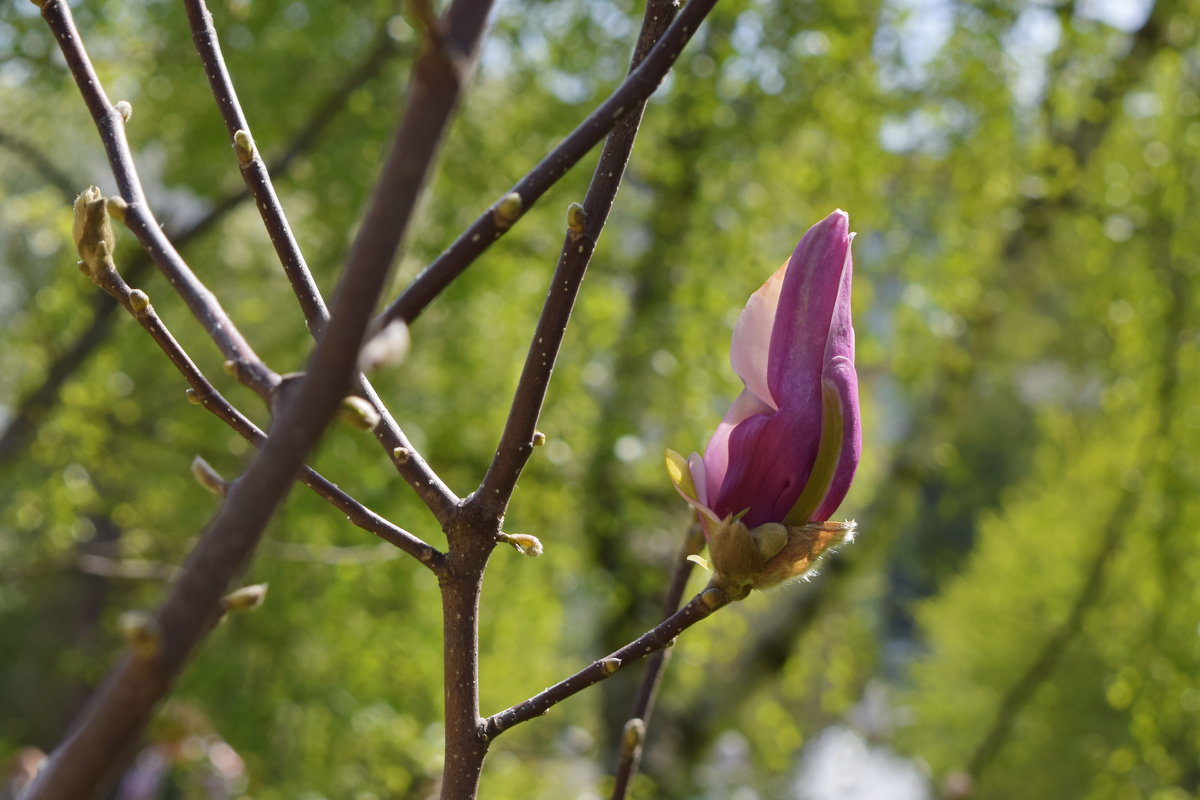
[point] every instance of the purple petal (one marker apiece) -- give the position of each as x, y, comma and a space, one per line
805, 312
716, 455
843, 380
770, 457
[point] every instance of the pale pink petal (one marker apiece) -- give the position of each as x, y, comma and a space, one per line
752, 337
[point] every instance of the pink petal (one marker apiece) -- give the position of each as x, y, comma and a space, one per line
716, 455
805, 311
752, 337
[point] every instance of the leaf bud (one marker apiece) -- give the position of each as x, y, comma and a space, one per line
140, 631
389, 346
523, 543
116, 207
194, 397
208, 477
633, 734
507, 210
243, 146
359, 413
125, 109
139, 301
539, 438
401, 454
610, 665
576, 219
244, 599
92, 232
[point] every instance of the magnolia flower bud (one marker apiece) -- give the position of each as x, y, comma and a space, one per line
783, 457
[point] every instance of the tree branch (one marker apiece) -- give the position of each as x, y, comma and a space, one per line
35, 405
120, 709
516, 442
661, 636
138, 217
411, 465
489, 226
629, 754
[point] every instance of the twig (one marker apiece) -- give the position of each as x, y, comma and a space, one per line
516, 442
639, 85
253, 170
119, 710
411, 465
138, 217
34, 406
629, 754
653, 640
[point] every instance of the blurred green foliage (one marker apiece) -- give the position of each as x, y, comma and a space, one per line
1024, 180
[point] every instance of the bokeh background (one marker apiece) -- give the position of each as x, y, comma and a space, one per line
1020, 615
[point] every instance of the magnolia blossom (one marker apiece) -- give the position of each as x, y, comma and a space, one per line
783, 457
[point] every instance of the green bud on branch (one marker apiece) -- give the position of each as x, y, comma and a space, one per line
507, 210
243, 146
359, 413
523, 543
125, 109
244, 599
208, 477
139, 301
576, 219
93, 233
140, 631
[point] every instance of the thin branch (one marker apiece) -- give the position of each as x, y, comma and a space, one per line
119, 711
660, 636
253, 170
35, 405
138, 217
630, 752
490, 226
411, 465
516, 442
